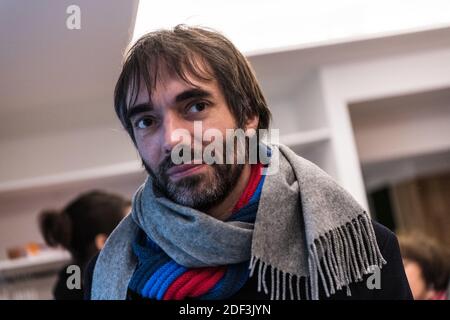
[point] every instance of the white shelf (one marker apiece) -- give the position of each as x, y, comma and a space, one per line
79, 176
304, 138
44, 262
31, 261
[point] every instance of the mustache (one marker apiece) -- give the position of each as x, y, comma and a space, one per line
196, 154
164, 165
167, 162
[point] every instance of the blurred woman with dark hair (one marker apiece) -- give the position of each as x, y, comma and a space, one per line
82, 228
427, 266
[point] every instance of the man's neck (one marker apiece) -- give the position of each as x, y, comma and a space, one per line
224, 210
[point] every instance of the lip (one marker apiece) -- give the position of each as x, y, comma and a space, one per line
183, 170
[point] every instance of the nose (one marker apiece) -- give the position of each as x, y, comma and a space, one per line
171, 128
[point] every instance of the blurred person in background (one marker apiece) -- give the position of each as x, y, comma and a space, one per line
82, 228
426, 265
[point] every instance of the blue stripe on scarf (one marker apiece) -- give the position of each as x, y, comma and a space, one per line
166, 284
257, 194
152, 283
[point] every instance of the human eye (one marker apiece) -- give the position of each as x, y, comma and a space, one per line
144, 123
197, 107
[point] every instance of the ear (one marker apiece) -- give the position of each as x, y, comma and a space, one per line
252, 122
100, 240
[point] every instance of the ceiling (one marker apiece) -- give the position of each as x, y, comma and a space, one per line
282, 66
48, 73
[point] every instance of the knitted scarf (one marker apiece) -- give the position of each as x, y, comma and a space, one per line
309, 233
157, 276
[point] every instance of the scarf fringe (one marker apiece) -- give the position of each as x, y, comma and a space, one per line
339, 257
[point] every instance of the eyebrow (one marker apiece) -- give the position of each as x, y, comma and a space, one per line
192, 93
183, 96
140, 108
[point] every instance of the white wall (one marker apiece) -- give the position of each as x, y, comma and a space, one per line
61, 151
348, 83
401, 127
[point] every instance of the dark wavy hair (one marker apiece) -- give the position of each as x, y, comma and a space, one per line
198, 52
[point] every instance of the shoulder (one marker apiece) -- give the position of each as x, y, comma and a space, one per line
393, 278
382, 233
386, 239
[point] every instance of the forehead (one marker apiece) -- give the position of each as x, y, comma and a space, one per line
167, 84
169, 89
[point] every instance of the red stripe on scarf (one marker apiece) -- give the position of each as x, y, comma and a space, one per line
194, 283
253, 181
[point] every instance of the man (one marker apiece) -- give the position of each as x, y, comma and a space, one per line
202, 230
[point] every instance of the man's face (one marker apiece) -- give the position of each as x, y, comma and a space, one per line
175, 105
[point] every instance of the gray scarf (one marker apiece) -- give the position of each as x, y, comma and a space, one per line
307, 227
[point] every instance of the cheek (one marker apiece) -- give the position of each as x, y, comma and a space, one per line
149, 152
220, 123
220, 118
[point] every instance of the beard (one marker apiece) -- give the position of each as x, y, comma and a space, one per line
200, 191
